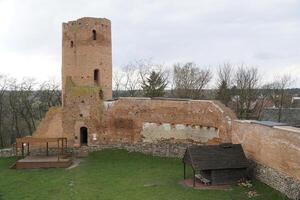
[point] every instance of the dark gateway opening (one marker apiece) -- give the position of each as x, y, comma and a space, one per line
96, 76
83, 136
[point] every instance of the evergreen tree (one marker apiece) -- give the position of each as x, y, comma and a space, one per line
154, 85
223, 93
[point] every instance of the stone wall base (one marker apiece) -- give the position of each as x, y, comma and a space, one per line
163, 149
285, 184
8, 152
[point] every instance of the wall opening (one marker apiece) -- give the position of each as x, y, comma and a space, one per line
71, 44
94, 35
96, 76
83, 136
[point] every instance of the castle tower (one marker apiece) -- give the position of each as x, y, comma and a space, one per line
87, 54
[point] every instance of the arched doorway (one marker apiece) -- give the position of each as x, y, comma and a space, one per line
94, 35
83, 136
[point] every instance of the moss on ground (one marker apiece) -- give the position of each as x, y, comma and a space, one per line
115, 175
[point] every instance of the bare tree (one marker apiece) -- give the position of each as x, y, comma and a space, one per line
22, 105
225, 74
189, 80
48, 95
263, 99
118, 79
280, 96
25, 97
132, 79
3, 88
246, 82
14, 108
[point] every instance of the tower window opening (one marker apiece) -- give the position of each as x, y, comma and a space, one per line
71, 44
94, 35
96, 76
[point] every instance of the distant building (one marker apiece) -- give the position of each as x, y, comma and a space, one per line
296, 102
290, 116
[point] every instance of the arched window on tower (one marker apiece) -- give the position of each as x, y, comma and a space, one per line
96, 76
94, 35
71, 44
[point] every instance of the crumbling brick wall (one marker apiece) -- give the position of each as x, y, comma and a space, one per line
51, 125
133, 120
126, 119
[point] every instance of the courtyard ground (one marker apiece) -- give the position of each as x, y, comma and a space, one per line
115, 175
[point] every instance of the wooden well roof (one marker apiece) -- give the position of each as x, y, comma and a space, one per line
213, 157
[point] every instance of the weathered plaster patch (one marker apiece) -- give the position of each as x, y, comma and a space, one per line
153, 132
108, 104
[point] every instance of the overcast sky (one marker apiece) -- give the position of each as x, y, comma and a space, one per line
260, 33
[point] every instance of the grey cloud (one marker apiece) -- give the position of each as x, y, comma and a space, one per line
259, 32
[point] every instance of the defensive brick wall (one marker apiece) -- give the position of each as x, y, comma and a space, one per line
275, 152
132, 120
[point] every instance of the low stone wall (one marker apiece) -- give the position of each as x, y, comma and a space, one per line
279, 181
163, 149
9, 152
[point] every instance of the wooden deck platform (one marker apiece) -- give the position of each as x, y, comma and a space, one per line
37, 162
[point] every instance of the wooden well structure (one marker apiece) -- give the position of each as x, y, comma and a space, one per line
28, 161
216, 164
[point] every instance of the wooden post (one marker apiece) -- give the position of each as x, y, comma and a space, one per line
184, 170
22, 149
28, 153
66, 143
194, 181
47, 151
62, 146
58, 149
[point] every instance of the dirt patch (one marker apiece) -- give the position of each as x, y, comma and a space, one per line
201, 186
75, 163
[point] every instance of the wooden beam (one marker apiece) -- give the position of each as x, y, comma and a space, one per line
58, 149
36, 140
22, 149
28, 149
62, 146
47, 151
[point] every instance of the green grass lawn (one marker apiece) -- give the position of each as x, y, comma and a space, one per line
114, 175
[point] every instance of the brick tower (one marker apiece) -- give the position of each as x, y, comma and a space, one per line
87, 54
86, 78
